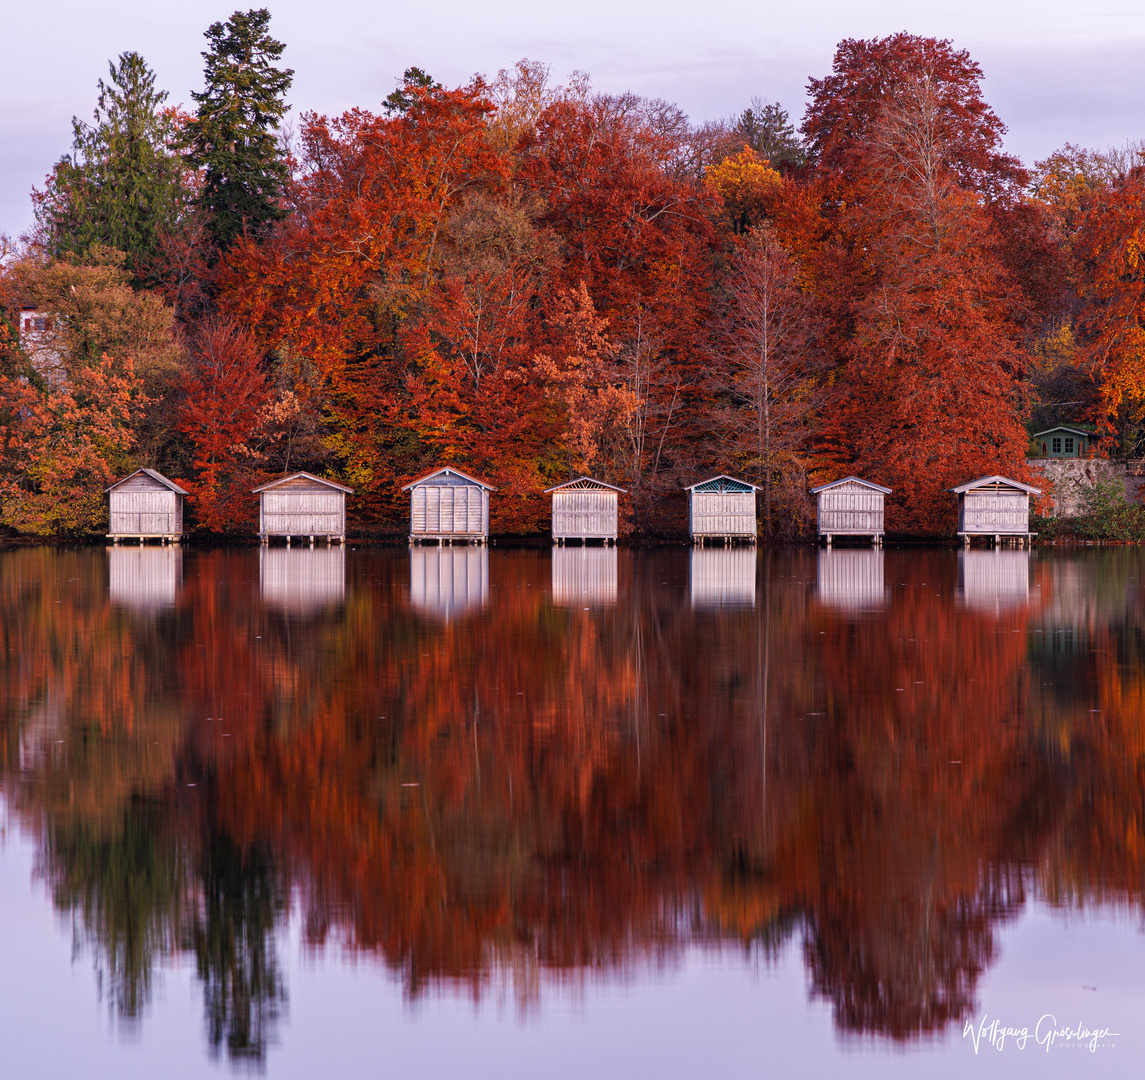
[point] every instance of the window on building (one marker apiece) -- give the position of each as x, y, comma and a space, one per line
1056, 443
1069, 444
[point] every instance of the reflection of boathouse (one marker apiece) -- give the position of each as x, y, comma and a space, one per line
302, 580
448, 580
722, 508
994, 580
585, 509
144, 578
584, 576
851, 579
449, 506
722, 577
145, 506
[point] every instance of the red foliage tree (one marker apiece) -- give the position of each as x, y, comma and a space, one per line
226, 395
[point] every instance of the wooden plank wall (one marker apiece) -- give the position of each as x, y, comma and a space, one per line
584, 576
728, 513
723, 577
447, 581
449, 510
588, 515
145, 508
309, 511
302, 580
991, 513
850, 509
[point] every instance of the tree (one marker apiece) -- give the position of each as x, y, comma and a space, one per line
929, 390
226, 395
60, 446
233, 134
766, 368
765, 127
1112, 323
123, 185
402, 99
846, 105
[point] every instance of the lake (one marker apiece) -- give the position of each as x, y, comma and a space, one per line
513, 813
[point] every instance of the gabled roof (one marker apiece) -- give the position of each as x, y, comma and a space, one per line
1062, 427
453, 472
159, 477
851, 480
585, 483
302, 476
722, 483
998, 481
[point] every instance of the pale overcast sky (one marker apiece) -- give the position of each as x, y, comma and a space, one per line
1056, 70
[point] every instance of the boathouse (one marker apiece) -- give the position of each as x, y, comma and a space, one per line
722, 508
145, 506
585, 509
850, 507
302, 505
995, 507
449, 506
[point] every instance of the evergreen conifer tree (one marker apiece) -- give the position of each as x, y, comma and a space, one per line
123, 183
233, 135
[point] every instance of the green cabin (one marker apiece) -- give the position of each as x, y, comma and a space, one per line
1059, 442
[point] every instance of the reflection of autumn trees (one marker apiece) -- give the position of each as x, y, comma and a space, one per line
531, 791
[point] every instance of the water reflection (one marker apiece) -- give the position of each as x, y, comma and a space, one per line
302, 580
144, 578
532, 795
994, 580
722, 577
448, 581
584, 576
851, 579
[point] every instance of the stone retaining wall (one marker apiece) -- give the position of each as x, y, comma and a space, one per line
1071, 478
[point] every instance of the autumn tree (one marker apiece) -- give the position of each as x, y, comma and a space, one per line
226, 395
233, 135
922, 301
1112, 324
61, 445
96, 313
766, 370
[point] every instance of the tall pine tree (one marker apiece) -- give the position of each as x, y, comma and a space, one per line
233, 135
123, 184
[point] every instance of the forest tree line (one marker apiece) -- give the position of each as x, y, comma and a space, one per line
531, 281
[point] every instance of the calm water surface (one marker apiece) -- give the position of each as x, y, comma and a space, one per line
501, 813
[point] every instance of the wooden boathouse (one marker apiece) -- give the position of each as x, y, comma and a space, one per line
302, 505
722, 508
449, 506
585, 509
145, 506
851, 507
996, 508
